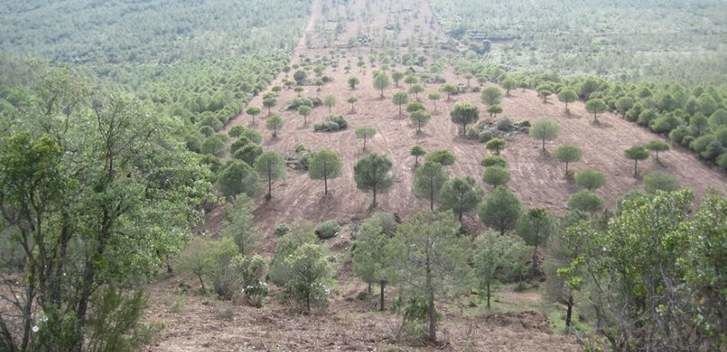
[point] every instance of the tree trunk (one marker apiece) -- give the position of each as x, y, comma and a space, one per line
364, 146
307, 302
569, 312
566, 169
368, 289
543, 144
270, 184
431, 194
399, 110
201, 282
373, 205
382, 285
431, 311
636, 168
488, 294
325, 184
534, 264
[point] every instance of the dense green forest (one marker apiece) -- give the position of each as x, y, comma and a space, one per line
197, 60
624, 39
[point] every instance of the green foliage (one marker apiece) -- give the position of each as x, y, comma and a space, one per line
381, 82
365, 133
494, 160
353, 82
327, 229
441, 156
657, 146
428, 181
399, 99
295, 238
214, 145
495, 258
545, 130
567, 96
417, 152
429, 260
270, 166
644, 258
461, 195
491, 96
595, 107
495, 145
239, 226
590, 179
604, 33
332, 124
304, 110
414, 106
115, 322
420, 118
236, 178
464, 113
536, 226
500, 210
660, 181
370, 255
329, 101
636, 153
248, 153
373, 173
252, 270
324, 165
310, 276
274, 124
496, 176
585, 201
568, 154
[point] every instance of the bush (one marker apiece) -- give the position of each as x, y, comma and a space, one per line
327, 229
281, 230
298, 102
333, 124
505, 125
585, 201
494, 160
252, 271
660, 181
590, 179
496, 176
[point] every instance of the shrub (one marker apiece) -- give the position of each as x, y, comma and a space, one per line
333, 124
494, 160
590, 179
327, 229
585, 201
281, 230
660, 181
310, 276
252, 270
496, 176
505, 124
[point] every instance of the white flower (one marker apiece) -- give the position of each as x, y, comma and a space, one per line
35, 328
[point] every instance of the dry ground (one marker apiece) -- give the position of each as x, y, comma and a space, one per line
195, 323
